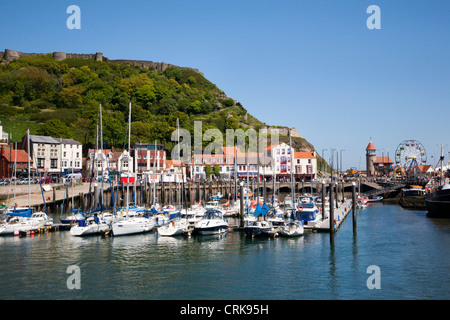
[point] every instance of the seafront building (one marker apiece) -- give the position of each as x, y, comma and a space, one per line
53, 156
274, 161
13, 162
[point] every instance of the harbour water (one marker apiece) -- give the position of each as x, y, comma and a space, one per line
411, 250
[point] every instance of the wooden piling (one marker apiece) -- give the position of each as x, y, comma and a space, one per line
241, 213
323, 199
332, 211
354, 206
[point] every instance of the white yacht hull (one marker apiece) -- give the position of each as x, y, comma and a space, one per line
89, 230
172, 229
291, 230
132, 226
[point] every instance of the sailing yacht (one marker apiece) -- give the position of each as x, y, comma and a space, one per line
90, 226
132, 223
174, 227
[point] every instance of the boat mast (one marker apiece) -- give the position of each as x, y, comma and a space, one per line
292, 172
128, 158
29, 185
101, 151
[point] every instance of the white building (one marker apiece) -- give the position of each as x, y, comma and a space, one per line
108, 161
71, 155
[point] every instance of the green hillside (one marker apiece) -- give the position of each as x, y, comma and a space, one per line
61, 99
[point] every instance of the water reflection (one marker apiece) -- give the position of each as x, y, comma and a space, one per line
408, 246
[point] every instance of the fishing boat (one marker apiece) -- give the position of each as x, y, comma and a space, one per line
211, 223
90, 226
438, 203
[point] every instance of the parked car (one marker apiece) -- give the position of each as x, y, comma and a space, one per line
25, 181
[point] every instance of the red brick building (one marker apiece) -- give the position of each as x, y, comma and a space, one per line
9, 157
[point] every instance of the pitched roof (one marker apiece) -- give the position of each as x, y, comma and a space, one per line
424, 168
383, 160
304, 155
43, 139
10, 154
370, 146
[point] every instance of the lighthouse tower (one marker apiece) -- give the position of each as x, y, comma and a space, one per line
370, 158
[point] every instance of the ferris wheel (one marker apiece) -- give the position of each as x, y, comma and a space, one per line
410, 153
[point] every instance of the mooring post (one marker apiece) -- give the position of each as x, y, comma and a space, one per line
332, 210
354, 206
96, 195
241, 198
323, 200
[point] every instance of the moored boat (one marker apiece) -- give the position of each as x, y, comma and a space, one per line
211, 223
438, 203
258, 228
292, 228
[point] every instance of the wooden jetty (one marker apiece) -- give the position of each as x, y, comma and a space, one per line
340, 214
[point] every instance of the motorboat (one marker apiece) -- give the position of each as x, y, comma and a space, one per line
258, 228
373, 199
308, 213
211, 223
90, 226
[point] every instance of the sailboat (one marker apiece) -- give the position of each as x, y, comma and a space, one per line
24, 219
177, 225
132, 223
259, 227
293, 227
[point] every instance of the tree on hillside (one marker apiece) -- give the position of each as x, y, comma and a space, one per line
55, 128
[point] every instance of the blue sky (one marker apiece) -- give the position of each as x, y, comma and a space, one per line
312, 64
